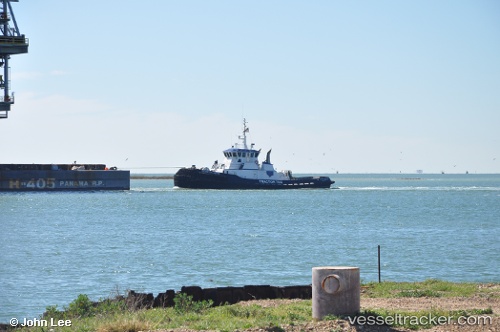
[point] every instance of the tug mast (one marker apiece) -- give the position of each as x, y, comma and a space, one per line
11, 42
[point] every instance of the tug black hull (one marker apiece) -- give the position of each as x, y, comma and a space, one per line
194, 178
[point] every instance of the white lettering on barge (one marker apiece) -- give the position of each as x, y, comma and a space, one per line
81, 183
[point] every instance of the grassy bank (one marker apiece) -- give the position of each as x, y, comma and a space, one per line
428, 288
112, 315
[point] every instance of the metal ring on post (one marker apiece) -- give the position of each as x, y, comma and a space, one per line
331, 284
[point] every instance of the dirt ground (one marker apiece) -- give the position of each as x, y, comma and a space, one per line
404, 304
407, 304
416, 304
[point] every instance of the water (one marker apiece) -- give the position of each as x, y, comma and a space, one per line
54, 246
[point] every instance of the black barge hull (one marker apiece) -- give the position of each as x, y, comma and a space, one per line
61, 177
194, 178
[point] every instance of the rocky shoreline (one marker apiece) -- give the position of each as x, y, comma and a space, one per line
218, 295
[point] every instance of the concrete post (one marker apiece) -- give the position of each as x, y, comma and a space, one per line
335, 291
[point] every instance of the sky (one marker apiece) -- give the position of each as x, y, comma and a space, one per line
331, 86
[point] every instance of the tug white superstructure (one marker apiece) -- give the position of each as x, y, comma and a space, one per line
243, 161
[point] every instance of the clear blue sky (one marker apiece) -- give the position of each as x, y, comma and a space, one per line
348, 86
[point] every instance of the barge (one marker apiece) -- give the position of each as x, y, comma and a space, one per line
62, 177
241, 170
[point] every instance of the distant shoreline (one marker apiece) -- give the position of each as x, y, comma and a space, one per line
151, 177
400, 176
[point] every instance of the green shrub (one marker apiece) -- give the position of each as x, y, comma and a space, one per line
109, 306
52, 312
184, 303
81, 307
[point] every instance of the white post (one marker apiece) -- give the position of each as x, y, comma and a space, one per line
335, 291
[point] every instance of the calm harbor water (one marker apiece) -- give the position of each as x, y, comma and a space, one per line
54, 246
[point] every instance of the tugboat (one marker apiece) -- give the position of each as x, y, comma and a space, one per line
241, 170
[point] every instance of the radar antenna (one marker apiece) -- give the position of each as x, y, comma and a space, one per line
244, 137
11, 42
